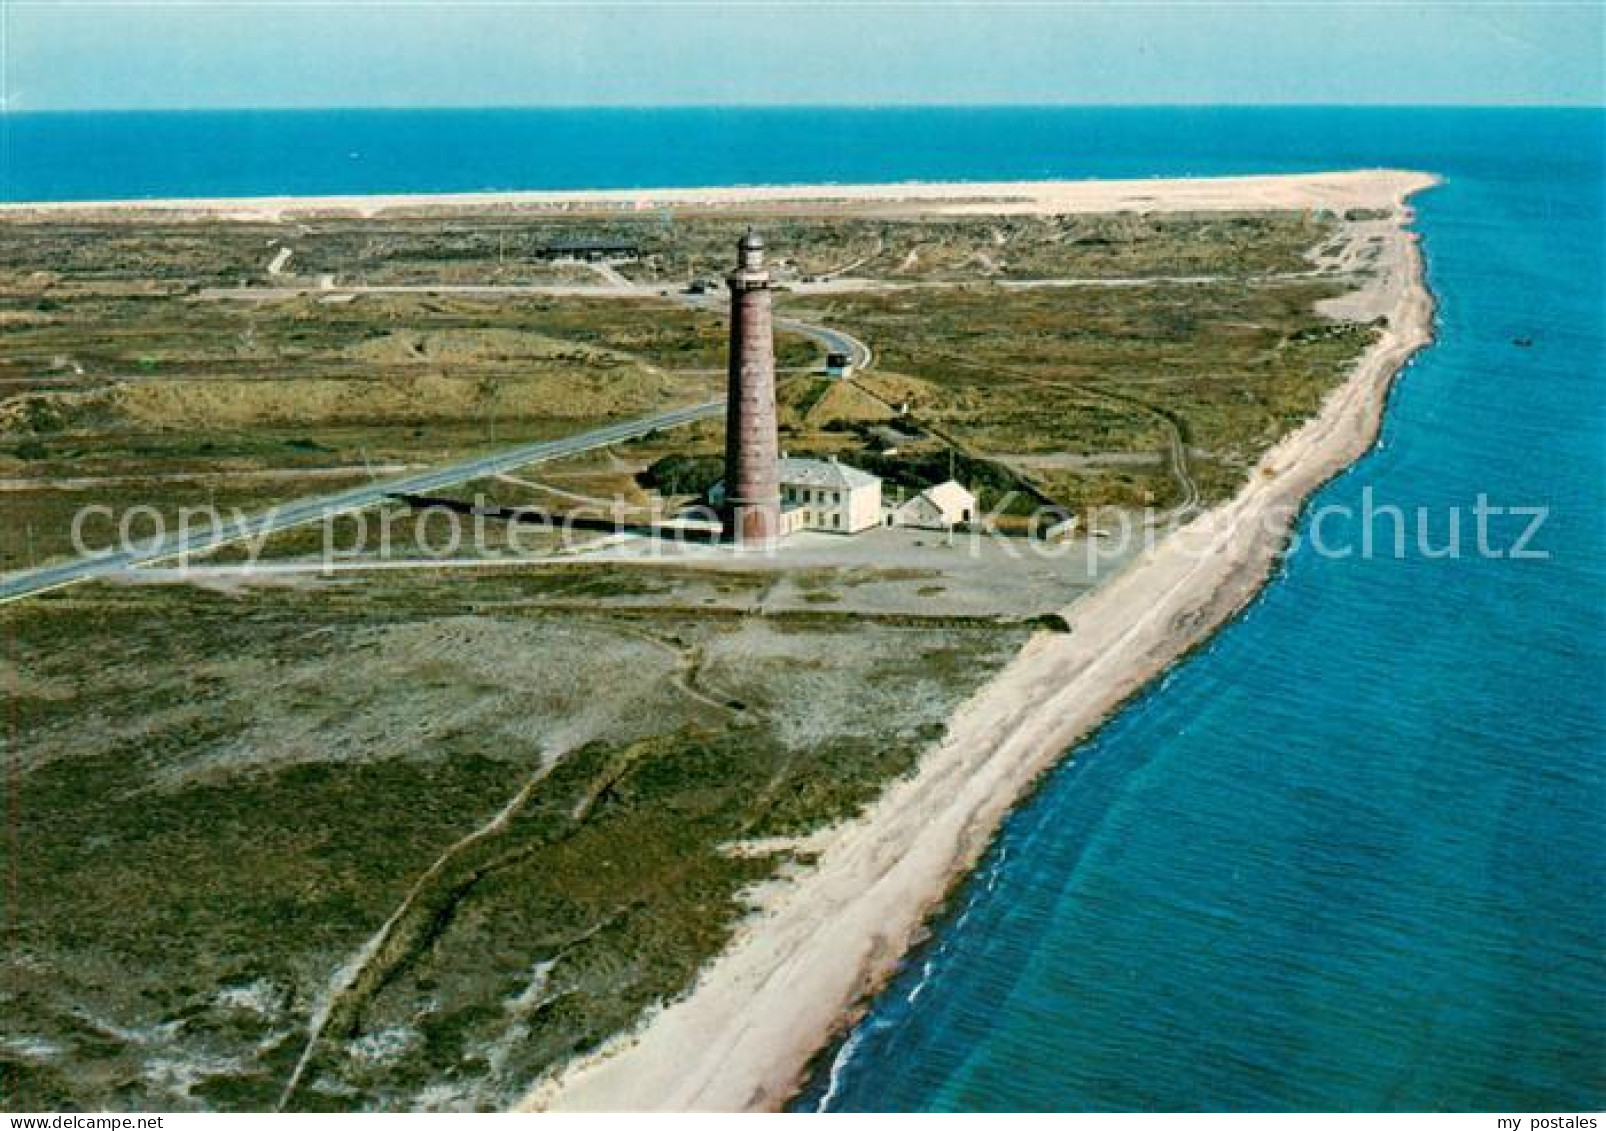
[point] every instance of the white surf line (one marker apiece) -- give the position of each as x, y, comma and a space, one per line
839, 1065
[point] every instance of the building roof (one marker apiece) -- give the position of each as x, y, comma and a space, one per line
824, 473
946, 498
950, 494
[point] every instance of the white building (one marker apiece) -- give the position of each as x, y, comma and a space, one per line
829, 496
936, 508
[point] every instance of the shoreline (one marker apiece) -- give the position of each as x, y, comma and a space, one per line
1334, 191
802, 966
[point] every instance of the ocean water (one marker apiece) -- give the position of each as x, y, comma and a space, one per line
1350, 855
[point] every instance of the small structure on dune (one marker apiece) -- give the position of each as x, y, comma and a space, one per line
942, 507
589, 249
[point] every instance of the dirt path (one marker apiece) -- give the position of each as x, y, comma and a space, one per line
279, 262
394, 944
688, 671
609, 274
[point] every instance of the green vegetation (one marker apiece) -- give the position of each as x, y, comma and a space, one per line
1005, 247
270, 776
116, 365
1093, 373
683, 475
126, 359
541, 777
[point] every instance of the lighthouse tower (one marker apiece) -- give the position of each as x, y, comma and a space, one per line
752, 505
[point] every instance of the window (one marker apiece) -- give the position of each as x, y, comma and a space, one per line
836, 522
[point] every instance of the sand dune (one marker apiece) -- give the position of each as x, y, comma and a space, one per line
1333, 191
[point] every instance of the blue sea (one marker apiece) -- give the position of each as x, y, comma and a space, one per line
1351, 855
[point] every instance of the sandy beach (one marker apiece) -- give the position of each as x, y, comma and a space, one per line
1332, 191
818, 944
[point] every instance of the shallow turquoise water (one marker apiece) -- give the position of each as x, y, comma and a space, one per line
1350, 855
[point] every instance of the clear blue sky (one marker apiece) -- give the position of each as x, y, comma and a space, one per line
65, 54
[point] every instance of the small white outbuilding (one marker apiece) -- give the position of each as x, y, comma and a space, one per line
942, 507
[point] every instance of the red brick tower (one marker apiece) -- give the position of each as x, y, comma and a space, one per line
752, 508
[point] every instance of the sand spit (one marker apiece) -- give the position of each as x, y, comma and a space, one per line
823, 941
1332, 191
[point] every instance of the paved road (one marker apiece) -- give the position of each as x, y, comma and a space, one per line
304, 511
301, 512
829, 338
834, 341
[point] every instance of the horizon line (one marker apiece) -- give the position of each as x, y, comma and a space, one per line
17, 112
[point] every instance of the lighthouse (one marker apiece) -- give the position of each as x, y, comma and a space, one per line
752, 504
